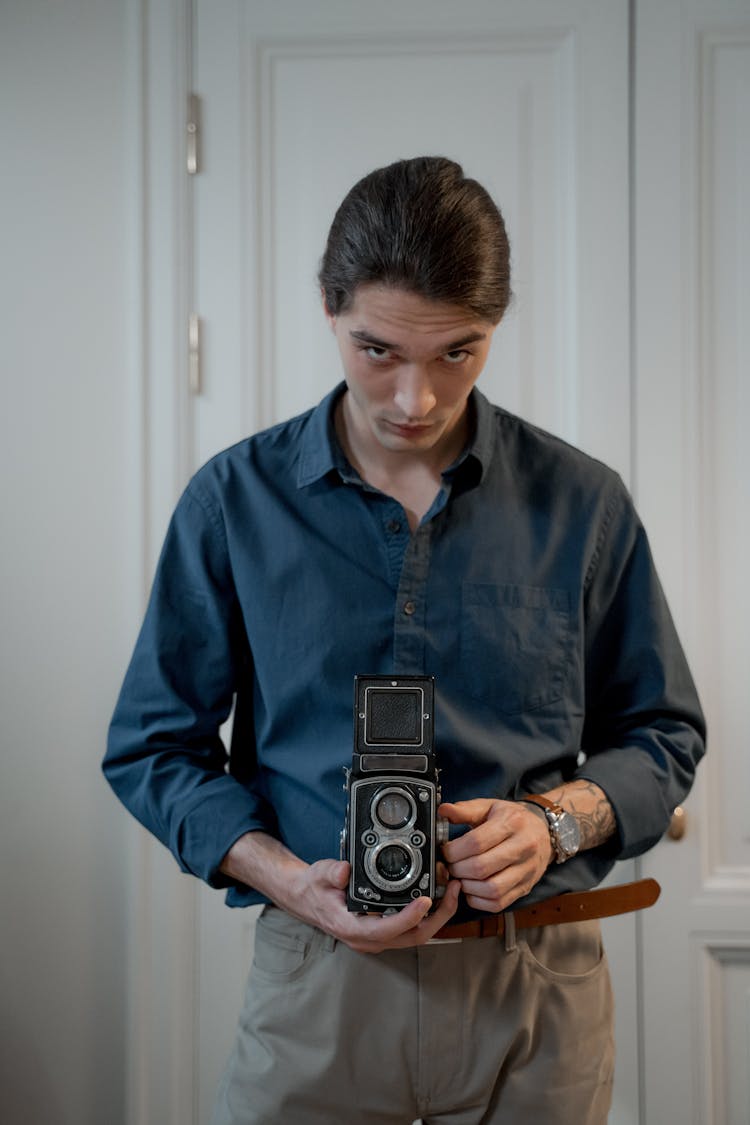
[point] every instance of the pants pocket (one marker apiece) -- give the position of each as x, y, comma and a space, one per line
283, 946
568, 953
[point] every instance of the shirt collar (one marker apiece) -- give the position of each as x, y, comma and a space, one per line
478, 453
321, 452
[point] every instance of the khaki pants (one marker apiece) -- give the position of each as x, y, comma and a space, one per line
485, 1030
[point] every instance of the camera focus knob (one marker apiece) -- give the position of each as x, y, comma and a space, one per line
442, 829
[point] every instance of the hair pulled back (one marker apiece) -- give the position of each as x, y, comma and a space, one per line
423, 226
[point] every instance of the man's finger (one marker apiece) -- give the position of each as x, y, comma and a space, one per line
435, 921
336, 871
413, 925
480, 864
492, 899
446, 908
466, 812
382, 928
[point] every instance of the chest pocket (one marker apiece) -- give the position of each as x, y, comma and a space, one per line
515, 644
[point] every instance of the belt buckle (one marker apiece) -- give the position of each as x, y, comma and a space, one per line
444, 941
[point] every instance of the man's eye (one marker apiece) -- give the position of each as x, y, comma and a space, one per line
377, 354
455, 357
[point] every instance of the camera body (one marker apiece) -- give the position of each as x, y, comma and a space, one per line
392, 830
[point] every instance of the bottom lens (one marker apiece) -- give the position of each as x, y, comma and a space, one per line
393, 862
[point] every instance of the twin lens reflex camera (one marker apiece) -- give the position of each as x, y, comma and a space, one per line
392, 830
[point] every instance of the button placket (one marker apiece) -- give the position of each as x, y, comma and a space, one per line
395, 528
409, 632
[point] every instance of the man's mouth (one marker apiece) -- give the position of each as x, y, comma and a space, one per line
409, 429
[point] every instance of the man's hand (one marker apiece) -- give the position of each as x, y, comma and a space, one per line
505, 853
319, 899
315, 894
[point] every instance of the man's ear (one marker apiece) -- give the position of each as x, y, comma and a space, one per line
328, 315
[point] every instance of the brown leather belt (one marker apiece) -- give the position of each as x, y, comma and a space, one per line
573, 907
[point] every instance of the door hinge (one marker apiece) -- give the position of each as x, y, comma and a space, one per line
193, 134
194, 353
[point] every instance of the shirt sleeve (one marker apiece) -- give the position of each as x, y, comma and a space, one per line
165, 757
644, 733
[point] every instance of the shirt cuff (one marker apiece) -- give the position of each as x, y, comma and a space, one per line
639, 805
223, 811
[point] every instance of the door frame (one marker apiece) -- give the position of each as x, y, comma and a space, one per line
162, 963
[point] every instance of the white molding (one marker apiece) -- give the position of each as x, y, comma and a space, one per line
166, 239
385, 46
138, 936
721, 371
713, 956
731, 883
162, 1074
561, 43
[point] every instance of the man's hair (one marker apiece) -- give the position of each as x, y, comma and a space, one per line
423, 226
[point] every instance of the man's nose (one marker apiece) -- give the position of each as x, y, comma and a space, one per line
414, 395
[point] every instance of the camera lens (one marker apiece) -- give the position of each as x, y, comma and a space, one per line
393, 865
393, 862
394, 809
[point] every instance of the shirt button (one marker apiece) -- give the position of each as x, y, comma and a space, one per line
409, 608
393, 526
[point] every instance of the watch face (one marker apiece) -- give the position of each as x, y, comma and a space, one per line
568, 834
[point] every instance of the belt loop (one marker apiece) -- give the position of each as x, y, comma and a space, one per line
323, 941
510, 931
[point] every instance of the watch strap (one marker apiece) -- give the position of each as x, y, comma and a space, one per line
543, 803
556, 817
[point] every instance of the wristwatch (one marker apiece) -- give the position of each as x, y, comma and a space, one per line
563, 826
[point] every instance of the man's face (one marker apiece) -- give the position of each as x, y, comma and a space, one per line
410, 364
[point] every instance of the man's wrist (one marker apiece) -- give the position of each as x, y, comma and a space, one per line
264, 863
541, 815
591, 807
564, 831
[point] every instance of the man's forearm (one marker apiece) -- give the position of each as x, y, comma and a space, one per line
591, 808
264, 863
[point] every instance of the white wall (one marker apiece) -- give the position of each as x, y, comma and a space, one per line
71, 591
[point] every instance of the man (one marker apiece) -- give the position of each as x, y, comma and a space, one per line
406, 526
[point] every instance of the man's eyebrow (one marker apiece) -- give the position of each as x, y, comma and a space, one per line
368, 338
454, 346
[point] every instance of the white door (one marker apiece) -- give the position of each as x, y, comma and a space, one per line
692, 359
300, 99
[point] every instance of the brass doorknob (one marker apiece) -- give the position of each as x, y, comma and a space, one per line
677, 825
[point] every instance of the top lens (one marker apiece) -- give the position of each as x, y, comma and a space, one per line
394, 809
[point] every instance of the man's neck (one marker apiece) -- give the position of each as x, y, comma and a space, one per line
413, 479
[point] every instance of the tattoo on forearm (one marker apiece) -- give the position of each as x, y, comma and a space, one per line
592, 810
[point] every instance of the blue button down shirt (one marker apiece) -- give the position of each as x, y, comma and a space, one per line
527, 591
